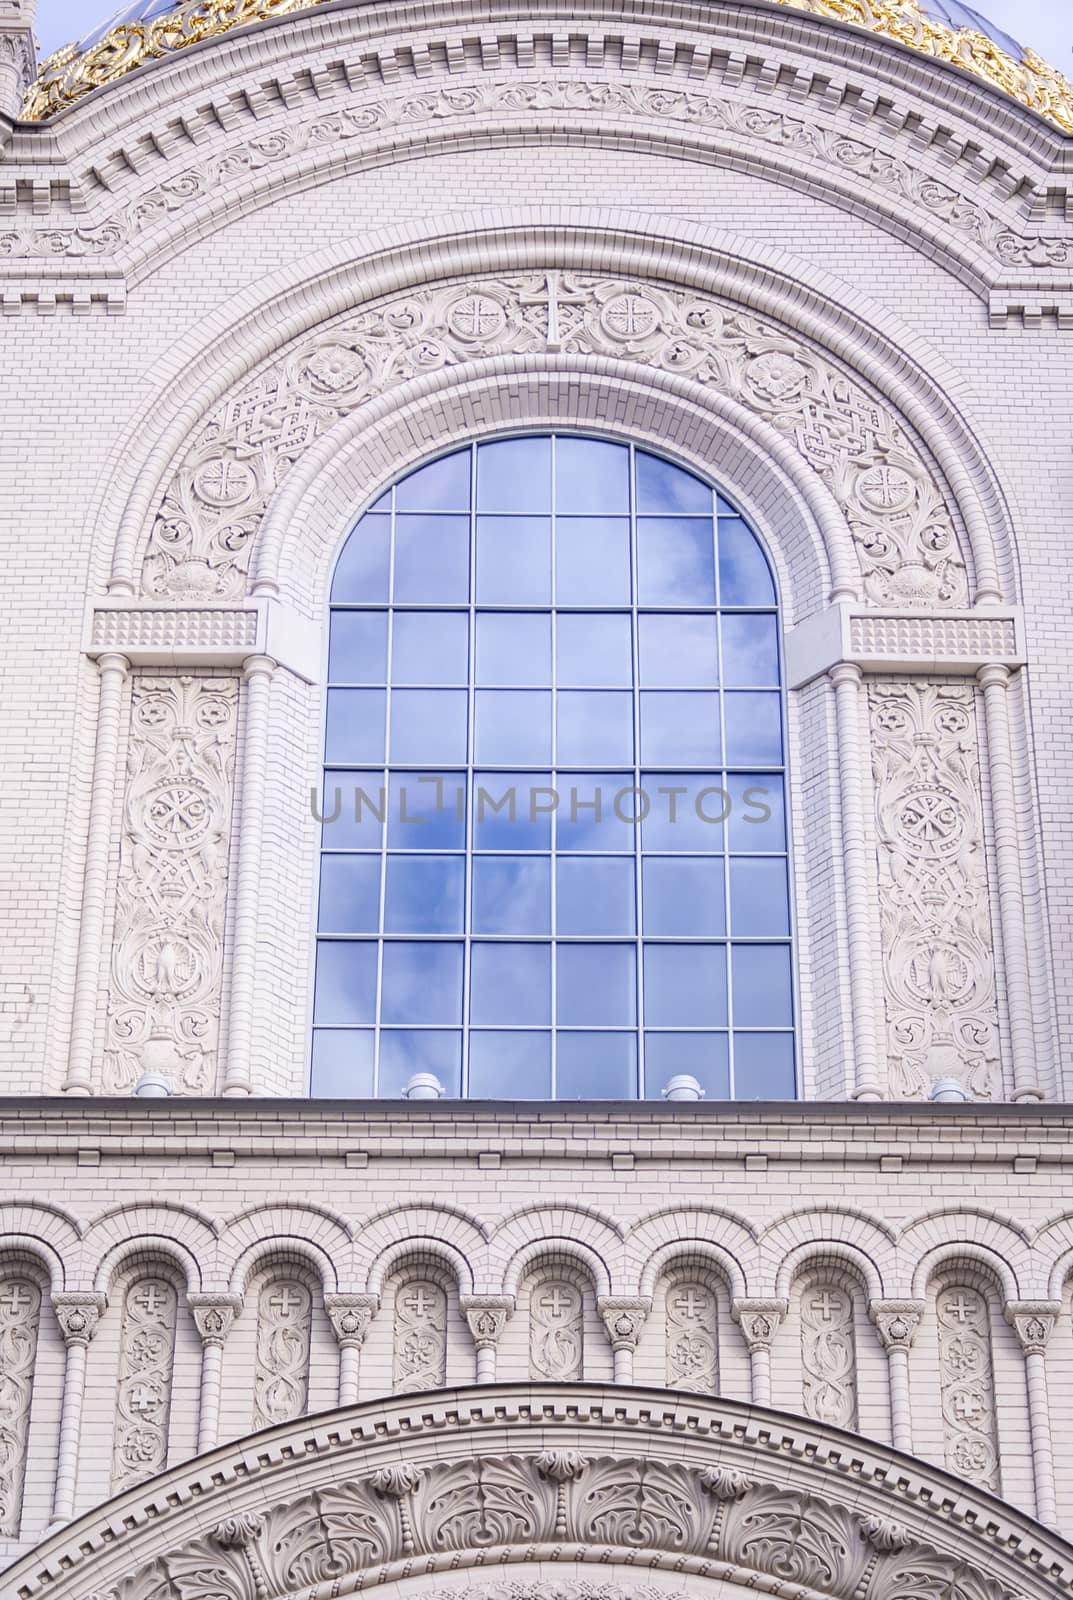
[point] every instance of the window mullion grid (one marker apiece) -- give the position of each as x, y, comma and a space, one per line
725, 776
470, 781
635, 664
553, 872
386, 808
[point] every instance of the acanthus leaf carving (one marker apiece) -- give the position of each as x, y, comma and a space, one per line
487, 1316
759, 1321
795, 1538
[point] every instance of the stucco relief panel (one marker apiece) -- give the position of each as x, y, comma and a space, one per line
20, 1314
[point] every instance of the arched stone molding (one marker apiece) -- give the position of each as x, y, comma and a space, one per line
53, 1236
1052, 1249
420, 1252
840, 1260
965, 1244
322, 1234
724, 1242
579, 1257
287, 1249
593, 1237
863, 1237
461, 1236
152, 1252
187, 1233
589, 1475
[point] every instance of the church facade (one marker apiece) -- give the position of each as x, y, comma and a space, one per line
538, 989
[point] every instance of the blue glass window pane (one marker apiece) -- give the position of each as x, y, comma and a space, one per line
680, 727
356, 726
757, 821
513, 726
514, 475
683, 897
443, 485
761, 980
662, 487
510, 1066
591, 476
422, 982
596, 811
511, 894
678, 652
343, 1064
354, 808
687, 812
424, 894
595, 896
513, 561
594, 650
512, 810
592, 561
361, 573
686, 985
349, 894
357, 651
430, 647
753, 728
744, 575
597, 985
426, 810
510, 985
429, 725
346, 982
596, 1066
513, 650
404, 1052
704, 1056
750, 652
764, 1066
759, 898
675, 562
431, 560
596, 726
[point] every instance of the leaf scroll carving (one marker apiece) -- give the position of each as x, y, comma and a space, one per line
20, 1316
828, 1354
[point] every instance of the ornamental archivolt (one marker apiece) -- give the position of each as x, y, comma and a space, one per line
902, 528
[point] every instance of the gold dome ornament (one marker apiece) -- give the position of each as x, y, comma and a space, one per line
150, 30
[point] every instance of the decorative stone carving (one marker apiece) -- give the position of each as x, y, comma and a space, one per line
78, 1314
759, 1321
968, 1386
20, 1316
214, 1315
167, 959
828, 1354
692, 1319
1033, 1321
556, 1329
420, 1349
903, 530
935, 914
897, 1322
281, 1370
143, 1394
487, 1316
624, 1318
350, 1316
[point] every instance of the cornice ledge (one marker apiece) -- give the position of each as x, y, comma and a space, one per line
193, 634
886, 640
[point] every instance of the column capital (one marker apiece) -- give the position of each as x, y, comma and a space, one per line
259, 666
1033, 1321
993, 675
846, 672
487, 1316
214, 1315
78, 1313
759, 1321
350, 1316
113, 661
623, 1317
897, 1322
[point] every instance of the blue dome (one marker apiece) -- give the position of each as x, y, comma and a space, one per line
960, 16
141, 11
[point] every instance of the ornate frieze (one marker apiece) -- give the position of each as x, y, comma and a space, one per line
167, 959
20, 1315
691, 1322
420, 1337
556, 1329
281, 1368
934, 906
828, 1353
967, 1381
902, 527
143, 1393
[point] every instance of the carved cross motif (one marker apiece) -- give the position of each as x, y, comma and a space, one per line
21, 1299
556, 1302
959, 1307
826, 1304
285, 1301
15, 1298
143, 1392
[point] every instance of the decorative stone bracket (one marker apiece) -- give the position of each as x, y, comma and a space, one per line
1033, 1321
623, 1318
919, 642
155, 634
897, 1322
487, 1315
350, 1316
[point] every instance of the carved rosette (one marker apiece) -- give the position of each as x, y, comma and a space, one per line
691, 1322
967, 1381
212, 509
624, 1319
487, 1315
167, 959
350, 1316
934, 904
556, 1330
20, 1316
828, 1354
281, 1368
759, 1321
420, 1337
897, 1322
143, 1393
78, 1314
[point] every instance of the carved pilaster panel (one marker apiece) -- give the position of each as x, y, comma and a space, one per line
968, 1386
20, 1316
556, 1330
692, 1320
167, 957
420, 1343
935, 915
828, 1354
281, 1370
143, 1394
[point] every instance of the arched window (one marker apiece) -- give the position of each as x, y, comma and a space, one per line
554, 848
